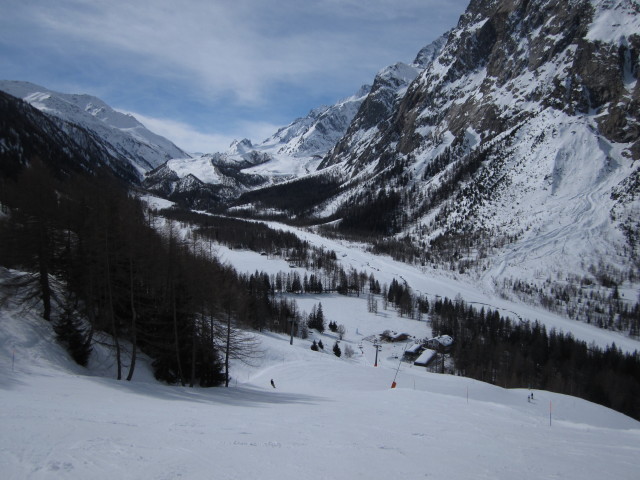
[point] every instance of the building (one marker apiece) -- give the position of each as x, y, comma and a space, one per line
425, 358
443, 343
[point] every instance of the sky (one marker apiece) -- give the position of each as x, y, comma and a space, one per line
205, 72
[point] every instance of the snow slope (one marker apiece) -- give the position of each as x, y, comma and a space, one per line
327, 418
518, 136
427, 282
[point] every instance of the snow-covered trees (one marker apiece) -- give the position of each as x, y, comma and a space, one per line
348, 351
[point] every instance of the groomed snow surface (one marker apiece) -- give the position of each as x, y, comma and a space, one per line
328, 418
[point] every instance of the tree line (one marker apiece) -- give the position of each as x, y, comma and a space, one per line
498, 350
240, 234
295, 199
327, 274
521, 354
94, 261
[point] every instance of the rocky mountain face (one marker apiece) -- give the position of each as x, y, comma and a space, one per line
120, 134
388, 89
28, 135
514, 151
317, 133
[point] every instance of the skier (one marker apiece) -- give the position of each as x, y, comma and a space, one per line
273, 384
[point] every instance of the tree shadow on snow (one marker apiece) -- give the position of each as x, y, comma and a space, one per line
7, 382
242, 395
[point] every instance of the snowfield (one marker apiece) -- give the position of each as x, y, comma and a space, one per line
328, 417
429, 283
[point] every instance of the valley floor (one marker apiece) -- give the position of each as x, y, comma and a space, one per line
428, 283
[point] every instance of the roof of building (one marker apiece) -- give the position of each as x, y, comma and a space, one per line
425, 357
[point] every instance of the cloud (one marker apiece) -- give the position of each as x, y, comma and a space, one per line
193, 140
240, 49
222, 64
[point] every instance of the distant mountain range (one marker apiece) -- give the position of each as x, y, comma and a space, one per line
121, 135
293, 151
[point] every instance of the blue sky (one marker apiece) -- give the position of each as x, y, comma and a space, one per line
203, 72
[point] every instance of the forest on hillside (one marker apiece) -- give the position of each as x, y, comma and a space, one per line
522, 354
93, 258
88, 254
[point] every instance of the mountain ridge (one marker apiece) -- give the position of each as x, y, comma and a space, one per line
123, 136
504, 66
27, 135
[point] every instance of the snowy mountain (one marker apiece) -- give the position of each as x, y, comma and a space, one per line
297, 149
518, 144
28, 135
121, 134
389, 87
315, 134
293, 151
507, 151
205, 182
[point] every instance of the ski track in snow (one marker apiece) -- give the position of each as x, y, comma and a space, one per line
327, 418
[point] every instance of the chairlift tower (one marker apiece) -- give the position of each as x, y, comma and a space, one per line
378, 347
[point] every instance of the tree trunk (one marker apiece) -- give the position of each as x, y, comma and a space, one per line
175, 334
114, 329
43, 260
134, 339
193, 355
227, 350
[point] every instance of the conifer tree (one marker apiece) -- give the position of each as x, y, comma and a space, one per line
73, 336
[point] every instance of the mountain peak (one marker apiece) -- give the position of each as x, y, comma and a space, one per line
240, 147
